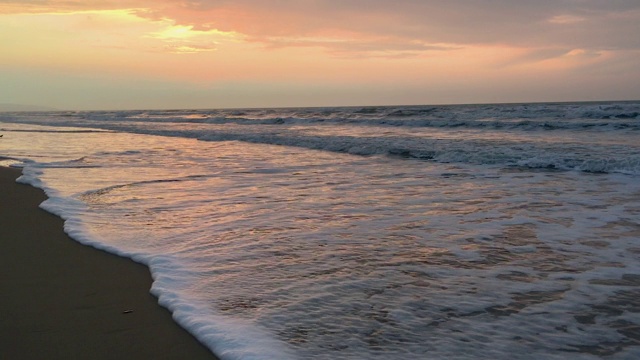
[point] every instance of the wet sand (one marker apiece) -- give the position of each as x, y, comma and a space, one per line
63, 300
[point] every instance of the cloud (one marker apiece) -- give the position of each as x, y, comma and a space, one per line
381, 28
584, 23
401, 26
566, 19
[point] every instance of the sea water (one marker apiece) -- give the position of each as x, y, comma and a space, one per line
424, 232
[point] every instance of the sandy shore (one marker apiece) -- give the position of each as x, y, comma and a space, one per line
63, 300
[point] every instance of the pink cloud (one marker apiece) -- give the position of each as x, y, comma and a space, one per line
394, 28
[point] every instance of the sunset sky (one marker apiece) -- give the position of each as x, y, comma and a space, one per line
134, 54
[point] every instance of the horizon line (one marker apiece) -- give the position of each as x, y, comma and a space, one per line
53, 109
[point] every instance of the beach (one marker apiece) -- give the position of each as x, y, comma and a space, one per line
489, 231
64, 300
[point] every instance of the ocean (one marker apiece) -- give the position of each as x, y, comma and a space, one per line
508, 231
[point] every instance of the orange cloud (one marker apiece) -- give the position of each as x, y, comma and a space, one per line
566, 19
400, 27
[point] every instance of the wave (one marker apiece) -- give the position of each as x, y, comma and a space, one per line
598, 116
593, 158
507, 154
522, 124
602, 116
544, 136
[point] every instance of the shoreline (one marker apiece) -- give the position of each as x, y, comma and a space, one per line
64, 300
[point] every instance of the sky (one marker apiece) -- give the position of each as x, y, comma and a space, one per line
159, 54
